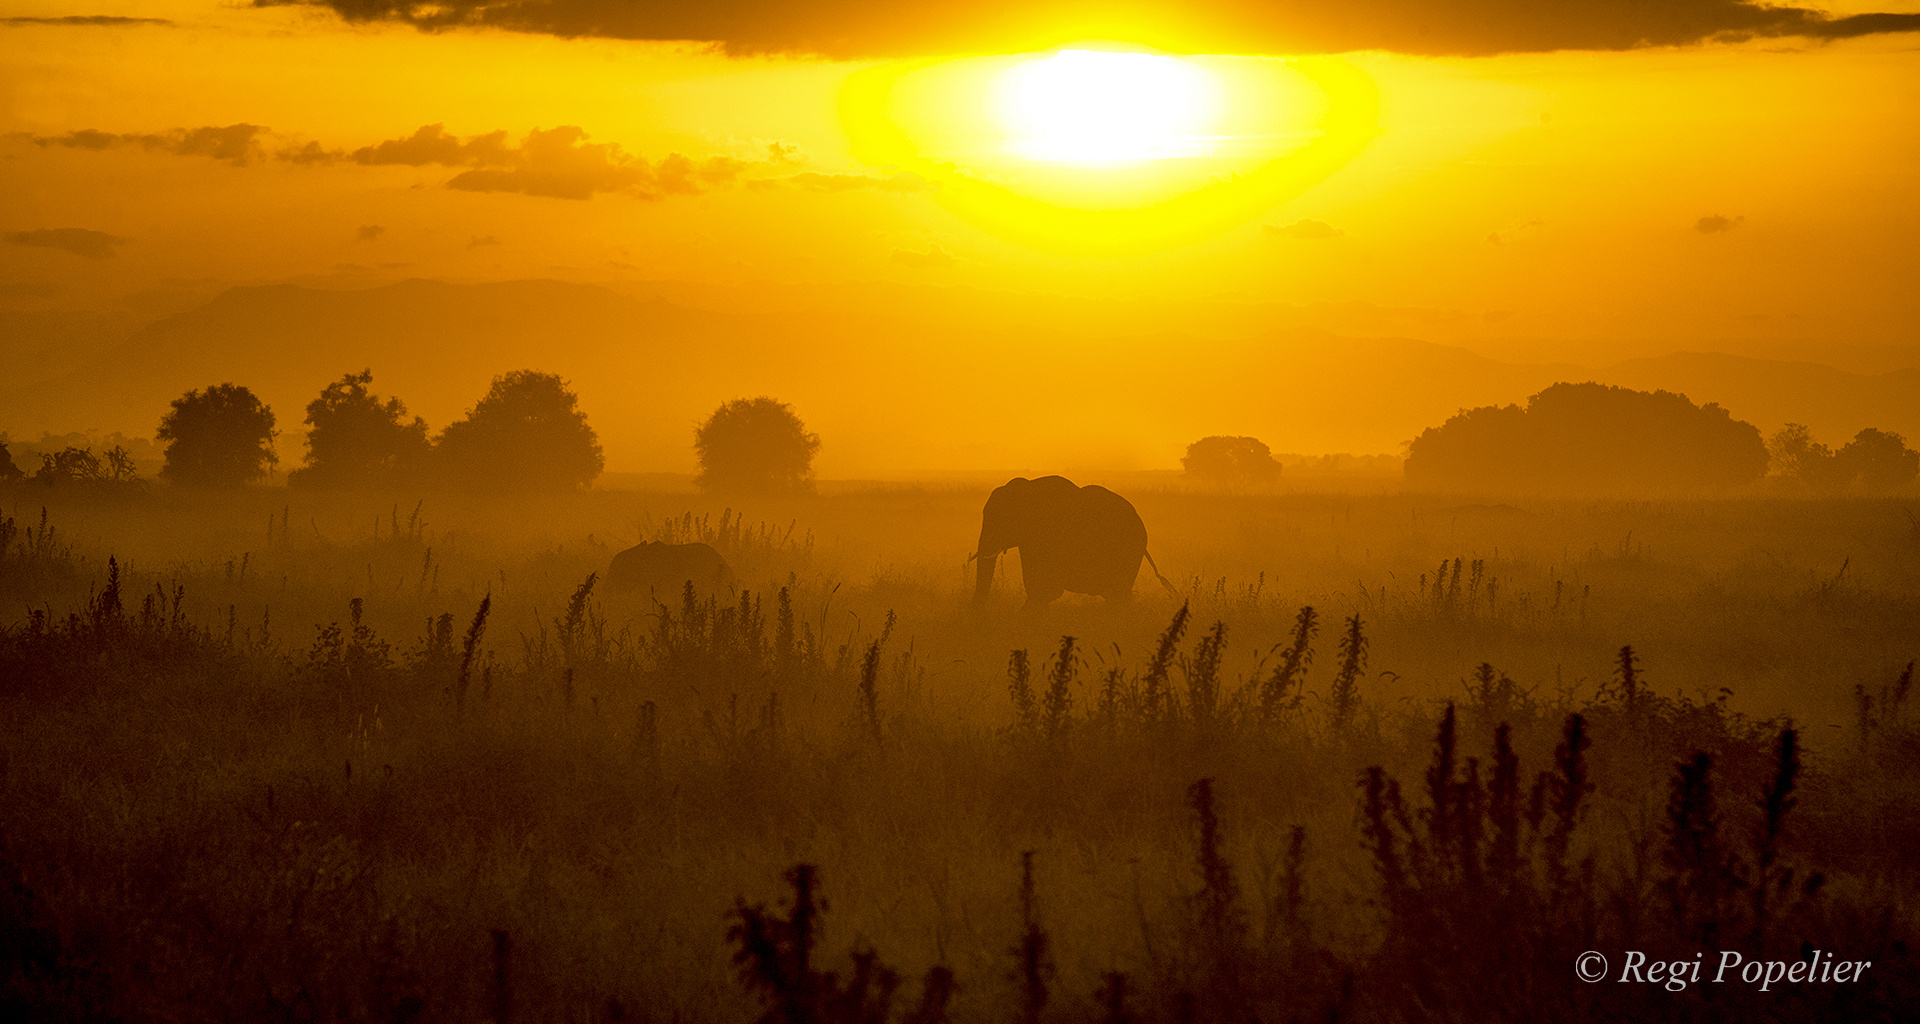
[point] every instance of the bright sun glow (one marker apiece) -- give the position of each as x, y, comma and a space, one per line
1098, 107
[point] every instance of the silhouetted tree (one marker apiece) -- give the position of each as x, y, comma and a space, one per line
68, 465
528, 433
755, 445
1875, 460
1794, 454
357, 440
1230, 460
1879, 460
220, 437
119, 463
1590, 437
8, 471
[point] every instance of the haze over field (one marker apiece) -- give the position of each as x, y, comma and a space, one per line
962, 512
1045, 381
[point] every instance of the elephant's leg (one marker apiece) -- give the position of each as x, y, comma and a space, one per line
1043, 591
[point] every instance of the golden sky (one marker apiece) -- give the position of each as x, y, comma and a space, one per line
1534, 186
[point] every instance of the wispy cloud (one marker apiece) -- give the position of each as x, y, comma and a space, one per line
235, 143
93, 245
86, 20
557, 163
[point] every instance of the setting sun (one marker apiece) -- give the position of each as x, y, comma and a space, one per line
1099, 107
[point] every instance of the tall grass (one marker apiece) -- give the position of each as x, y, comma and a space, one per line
355, 808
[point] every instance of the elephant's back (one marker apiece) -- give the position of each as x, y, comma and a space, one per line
1117, 519
658, 565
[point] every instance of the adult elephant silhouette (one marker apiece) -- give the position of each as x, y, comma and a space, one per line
1087, 540
662, 570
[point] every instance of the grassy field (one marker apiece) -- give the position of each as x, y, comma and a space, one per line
275, 756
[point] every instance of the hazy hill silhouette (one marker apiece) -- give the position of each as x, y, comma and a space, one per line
1040, 382
1771, 392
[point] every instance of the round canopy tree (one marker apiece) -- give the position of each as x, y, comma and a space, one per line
355, 440
756, 446
1879, 459
527, 434
220, 437
1230, 460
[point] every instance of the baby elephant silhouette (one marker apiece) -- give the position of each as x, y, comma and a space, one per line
662, 571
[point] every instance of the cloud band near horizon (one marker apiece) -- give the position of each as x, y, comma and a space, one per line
870, 28
557, 163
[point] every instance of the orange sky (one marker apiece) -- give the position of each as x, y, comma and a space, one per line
1748, 197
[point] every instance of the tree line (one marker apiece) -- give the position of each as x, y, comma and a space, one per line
1594, 438
526, 434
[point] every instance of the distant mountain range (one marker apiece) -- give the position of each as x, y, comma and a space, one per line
891, 386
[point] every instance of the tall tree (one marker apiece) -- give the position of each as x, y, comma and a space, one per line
220, 437
527, 434
356, 440
755, 446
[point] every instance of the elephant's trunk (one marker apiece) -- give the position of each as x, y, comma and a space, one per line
986, 555
983, 584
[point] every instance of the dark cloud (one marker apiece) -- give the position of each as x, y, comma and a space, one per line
479, 240
369, 232
1311, 230
1716, 224
94, 245
235, 143
877, 28
432, 145
683, 176
86, 138
309, 154
95, 20
556, 162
